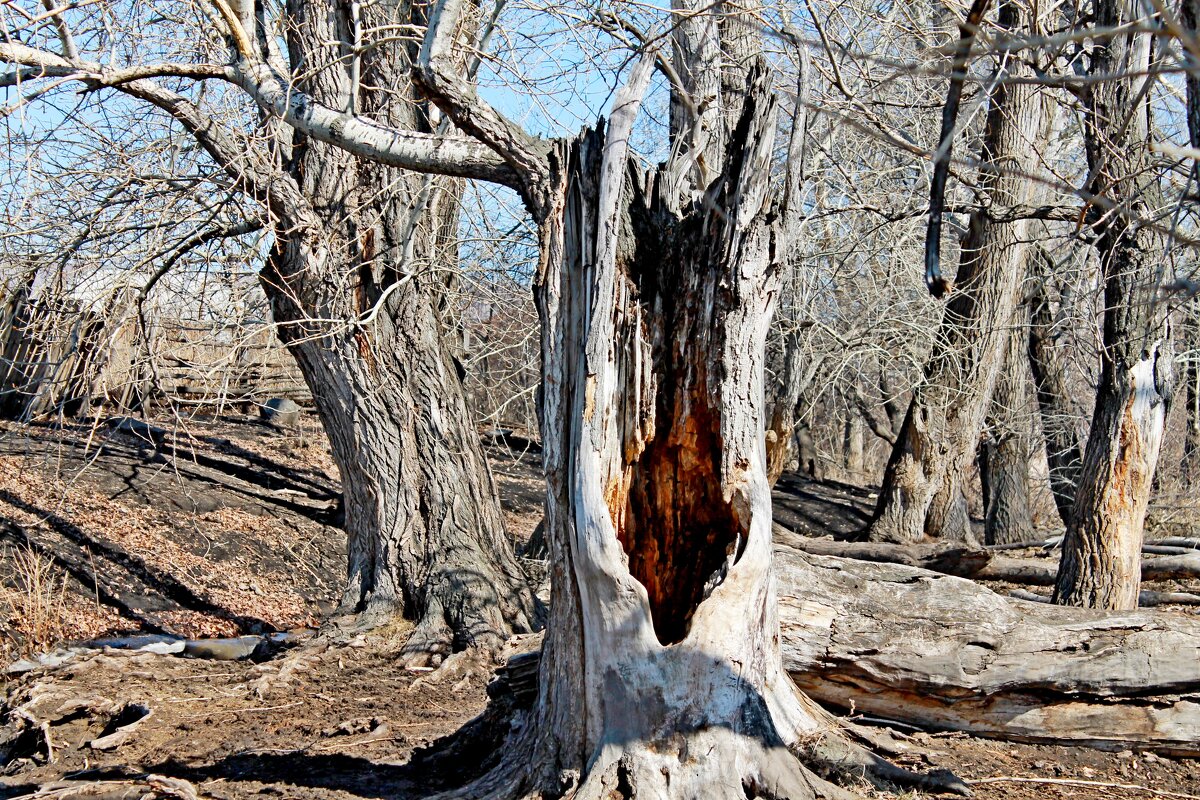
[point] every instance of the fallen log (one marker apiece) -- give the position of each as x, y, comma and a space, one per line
1025, 544
1178, 541
1042, 573
1171, 567
1019, 570
949, 558
1146, 598
937, 651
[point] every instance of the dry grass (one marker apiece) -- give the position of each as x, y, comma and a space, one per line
33, 595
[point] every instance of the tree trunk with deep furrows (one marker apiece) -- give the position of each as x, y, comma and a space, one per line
361, 310
1056, 404
1004, 466
921, 494
1102, 548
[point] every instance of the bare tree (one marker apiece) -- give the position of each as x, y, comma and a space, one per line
1103, 544
921, 491
356, 277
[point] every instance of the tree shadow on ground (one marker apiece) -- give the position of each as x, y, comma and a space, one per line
819, 507
117, 577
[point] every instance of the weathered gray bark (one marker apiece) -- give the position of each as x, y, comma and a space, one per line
1056, 403
944, 652
855, 461
921, 494
1103, 542
426, 536
1004, 461
659, 507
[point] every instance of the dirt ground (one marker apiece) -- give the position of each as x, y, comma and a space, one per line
231, 527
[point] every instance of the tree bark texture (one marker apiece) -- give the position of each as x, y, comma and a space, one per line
921, 494
1056, 404
943, 652
1103, 542
1191, 442
358, 305
1004, 467
663, 635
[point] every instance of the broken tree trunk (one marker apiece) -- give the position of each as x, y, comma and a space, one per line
943, 652
655, 298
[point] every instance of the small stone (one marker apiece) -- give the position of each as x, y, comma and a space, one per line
1041, 765
280, 411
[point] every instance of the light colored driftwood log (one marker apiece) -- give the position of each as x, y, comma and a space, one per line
938, 651
949, 558
1042, 573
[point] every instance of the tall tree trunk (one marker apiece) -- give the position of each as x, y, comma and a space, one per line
1103, 544
921, 494
1059, 411
1004, 468
855, 445
663, 640
360, 311
1190, 14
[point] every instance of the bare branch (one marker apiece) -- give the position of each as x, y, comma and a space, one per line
438, 73
937, 284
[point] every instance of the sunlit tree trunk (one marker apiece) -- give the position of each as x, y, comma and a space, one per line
1056, 403
426, 535
1100, 566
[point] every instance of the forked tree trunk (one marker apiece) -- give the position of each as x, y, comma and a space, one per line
1103, 545
1059, 412
1004, 467
662, 675
359, 309
921, 493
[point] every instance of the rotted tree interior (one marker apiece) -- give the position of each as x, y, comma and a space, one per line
675, 506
